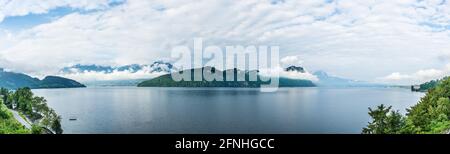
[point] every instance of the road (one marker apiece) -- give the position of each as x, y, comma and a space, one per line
20, 119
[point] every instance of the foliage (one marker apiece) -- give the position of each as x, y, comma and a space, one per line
9, 125
430, 84
34, 108
4, 93
430, 115
56, 125
167, 81
4, 113
384, 121
36, 129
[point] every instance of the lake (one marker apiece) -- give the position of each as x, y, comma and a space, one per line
133, 110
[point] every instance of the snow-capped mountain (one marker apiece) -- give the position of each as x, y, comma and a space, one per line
158, 66
127, 75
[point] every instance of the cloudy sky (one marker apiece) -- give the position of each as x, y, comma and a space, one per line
394, 41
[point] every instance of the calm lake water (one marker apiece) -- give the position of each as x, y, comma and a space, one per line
221, 110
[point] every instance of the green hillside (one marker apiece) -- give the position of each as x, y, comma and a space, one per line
430, 115
11, 80
428, 85
9, 125
167, 81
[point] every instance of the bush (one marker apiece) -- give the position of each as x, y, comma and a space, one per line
4, 113
36, 129
9, 125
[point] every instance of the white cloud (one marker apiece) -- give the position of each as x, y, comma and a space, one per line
299, 75
417, 77
396, 76
90, 76
25, 7
291, 61
359, 39
280, 72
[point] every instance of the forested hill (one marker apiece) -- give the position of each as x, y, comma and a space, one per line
431, 115
428, 85
12, 80
167, 81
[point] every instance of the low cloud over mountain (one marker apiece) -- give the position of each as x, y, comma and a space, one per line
89, 73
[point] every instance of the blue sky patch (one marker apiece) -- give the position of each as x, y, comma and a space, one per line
23, 22
17, 23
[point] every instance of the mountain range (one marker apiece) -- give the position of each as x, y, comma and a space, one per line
167, 81
12, 80
145, 72
165, 68
326, 80
157, 66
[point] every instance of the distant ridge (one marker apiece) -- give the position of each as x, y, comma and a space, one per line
326, 80
428, 85
167, 81
12, 80
157, 66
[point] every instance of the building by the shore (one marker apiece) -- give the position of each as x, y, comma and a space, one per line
415, 88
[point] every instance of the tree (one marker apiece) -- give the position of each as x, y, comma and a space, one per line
384, 121
33, 107
395, 123
5, 95
430, 115
36, 129
21, 99
3, 112
56, 125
